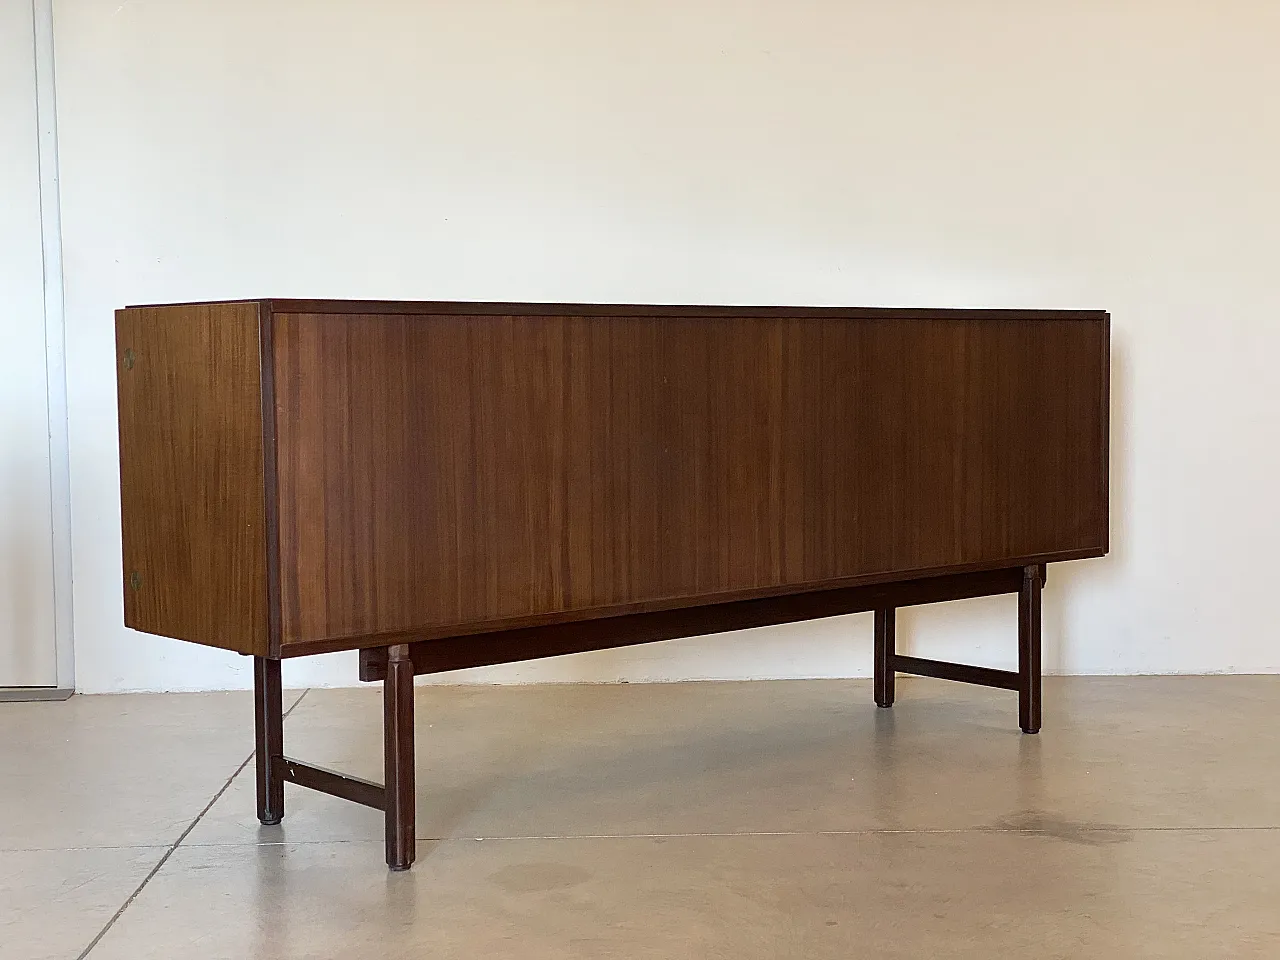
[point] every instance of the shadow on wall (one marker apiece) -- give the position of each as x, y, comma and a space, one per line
1066, 579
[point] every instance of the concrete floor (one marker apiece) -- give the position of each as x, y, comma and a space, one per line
743, 820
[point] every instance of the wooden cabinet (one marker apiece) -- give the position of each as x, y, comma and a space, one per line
299, 477
479, 483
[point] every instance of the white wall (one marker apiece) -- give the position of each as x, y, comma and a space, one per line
1121, 155
27, 643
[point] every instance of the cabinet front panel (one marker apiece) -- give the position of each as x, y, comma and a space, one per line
441, 473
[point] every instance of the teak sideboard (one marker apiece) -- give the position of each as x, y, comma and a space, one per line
447, 485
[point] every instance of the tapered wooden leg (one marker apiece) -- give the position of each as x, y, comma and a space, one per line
397, 725
885, 648
1029, 650
269, 738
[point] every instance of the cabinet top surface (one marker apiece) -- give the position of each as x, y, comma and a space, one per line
481, 308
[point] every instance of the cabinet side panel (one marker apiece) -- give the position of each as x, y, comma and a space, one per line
441, 475
191, 474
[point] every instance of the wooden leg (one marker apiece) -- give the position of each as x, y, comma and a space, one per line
1029, 650
397, 725
884, 651
269, 740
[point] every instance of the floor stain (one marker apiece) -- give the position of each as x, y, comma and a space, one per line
537, 877
1087, 832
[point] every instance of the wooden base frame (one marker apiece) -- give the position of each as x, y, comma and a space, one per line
1026, 680
396, 665
395, 798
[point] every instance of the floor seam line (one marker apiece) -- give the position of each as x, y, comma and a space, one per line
174, 846
873, 832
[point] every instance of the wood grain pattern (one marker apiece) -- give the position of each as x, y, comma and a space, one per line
450, 473
191, 474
